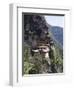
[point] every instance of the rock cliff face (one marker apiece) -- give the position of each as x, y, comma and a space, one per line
35, 26
38, 43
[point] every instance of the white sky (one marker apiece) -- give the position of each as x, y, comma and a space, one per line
55, 20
